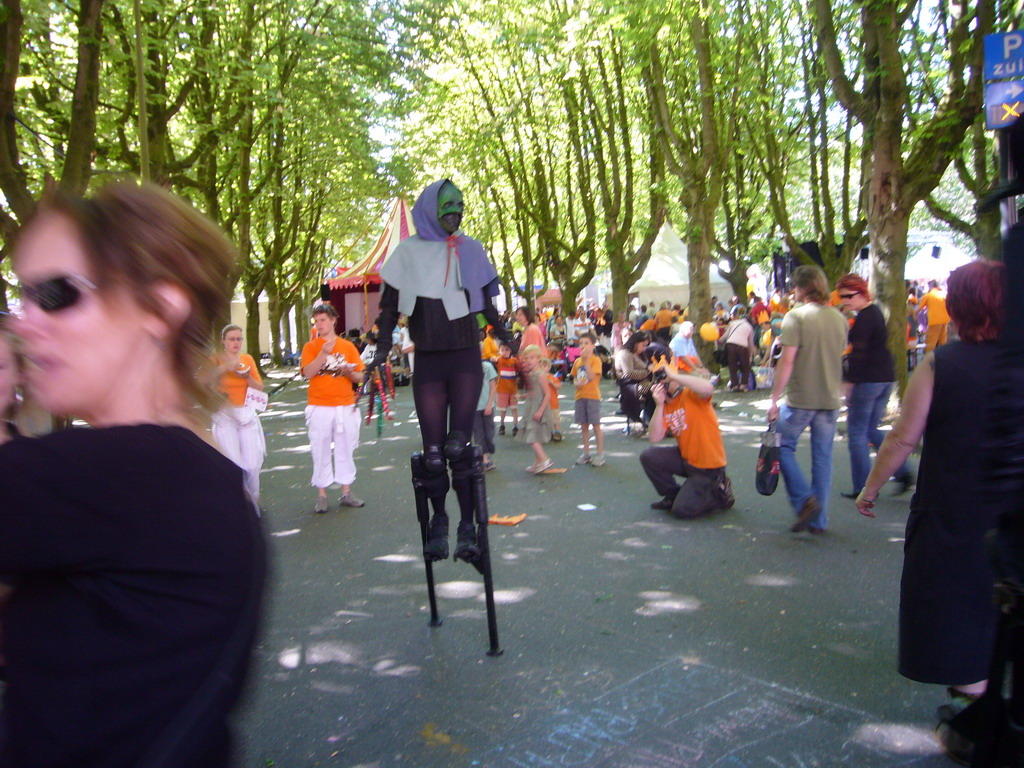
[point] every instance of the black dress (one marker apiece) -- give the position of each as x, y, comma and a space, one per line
947, 619
138, 561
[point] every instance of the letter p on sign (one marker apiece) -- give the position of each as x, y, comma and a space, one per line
1012, 43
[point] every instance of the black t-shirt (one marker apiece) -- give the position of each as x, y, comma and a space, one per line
138, 561
870, 359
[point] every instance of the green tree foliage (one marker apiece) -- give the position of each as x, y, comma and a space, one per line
264, 114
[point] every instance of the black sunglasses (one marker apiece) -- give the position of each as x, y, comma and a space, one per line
57, 293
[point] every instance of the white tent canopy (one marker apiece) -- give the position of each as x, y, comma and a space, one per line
667, 277
923, 266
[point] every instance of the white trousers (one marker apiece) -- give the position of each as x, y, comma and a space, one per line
339, 425
238, 432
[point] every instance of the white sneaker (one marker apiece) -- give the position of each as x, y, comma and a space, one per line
584, 459
597, 461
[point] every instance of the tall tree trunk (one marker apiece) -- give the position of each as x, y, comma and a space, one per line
286, 327
275, 310
252, 324
889, 249
82, 131
700, 242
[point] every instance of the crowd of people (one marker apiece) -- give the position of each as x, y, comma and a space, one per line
139, 567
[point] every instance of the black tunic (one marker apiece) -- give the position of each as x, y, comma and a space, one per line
947, 619
137, 556
429, 326
870, 359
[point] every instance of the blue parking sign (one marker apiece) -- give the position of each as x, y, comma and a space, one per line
1004, 55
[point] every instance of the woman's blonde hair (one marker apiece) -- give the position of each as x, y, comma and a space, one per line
138, 237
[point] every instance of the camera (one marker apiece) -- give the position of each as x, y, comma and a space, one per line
659, 375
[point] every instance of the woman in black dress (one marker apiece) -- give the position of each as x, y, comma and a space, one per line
947, 617
137, 557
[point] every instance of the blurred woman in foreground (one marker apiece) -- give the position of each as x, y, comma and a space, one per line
947, 616
137, 557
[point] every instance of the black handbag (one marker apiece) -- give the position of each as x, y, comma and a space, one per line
766, 477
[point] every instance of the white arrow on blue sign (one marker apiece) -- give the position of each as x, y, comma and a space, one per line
1004, 55
1004, 103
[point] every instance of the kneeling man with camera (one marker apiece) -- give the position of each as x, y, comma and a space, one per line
684, 408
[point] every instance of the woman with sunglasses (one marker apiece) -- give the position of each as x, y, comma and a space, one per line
868, 379
236, 425
137, 555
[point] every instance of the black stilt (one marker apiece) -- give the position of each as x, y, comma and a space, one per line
483, 563
419, 478
465, 464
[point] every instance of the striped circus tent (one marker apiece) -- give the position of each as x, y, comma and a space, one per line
355, 290
366, 271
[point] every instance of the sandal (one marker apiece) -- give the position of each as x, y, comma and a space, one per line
536, 469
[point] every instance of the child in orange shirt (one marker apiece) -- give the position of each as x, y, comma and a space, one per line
508, 387
586, 374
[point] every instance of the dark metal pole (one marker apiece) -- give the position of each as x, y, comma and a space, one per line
423, 516
484, 563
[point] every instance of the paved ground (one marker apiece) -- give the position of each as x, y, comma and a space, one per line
630, 639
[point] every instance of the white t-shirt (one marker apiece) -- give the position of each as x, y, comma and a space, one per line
405, 343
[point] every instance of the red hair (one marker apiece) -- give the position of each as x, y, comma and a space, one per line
974, 299
853, 283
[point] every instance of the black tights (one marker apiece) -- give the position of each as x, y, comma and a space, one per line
446, 387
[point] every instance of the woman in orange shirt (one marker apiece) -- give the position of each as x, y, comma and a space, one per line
236, 426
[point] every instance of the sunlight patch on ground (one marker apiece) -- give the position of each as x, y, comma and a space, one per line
397, 558
616, 556
383, 468
459, 589
510, 556
280, 468
290, 658
333, 653
743, 429
900, 739
510, 596
635, 543
771, 580
304, 448
659, 603
291, 532
389, 668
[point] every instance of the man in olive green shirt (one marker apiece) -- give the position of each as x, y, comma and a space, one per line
810, 371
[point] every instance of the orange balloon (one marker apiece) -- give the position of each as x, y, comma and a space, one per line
709, 332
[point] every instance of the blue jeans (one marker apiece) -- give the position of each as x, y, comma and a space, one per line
792, 423
866, 408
